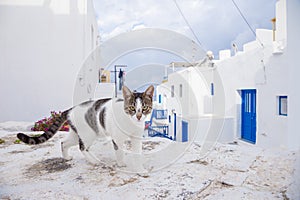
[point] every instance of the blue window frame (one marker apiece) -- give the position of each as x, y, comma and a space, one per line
159, 98
283, 105
212, 89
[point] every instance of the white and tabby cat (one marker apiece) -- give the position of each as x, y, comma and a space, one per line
119, 119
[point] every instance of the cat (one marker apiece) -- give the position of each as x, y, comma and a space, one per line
115, 118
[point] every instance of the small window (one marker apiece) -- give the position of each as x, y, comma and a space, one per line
283, 105
212, 89
180, 90
172, 90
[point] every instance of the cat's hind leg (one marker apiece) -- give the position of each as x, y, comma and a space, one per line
119, 154
84, 145
70, 141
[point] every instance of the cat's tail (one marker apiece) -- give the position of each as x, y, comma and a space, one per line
47, 134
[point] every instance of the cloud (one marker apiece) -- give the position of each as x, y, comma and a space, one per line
216, 23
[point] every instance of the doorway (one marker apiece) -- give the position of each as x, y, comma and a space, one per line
248, 115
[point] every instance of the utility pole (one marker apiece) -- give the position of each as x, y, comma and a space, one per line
115, 71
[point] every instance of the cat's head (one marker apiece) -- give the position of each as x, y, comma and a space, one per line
138, 104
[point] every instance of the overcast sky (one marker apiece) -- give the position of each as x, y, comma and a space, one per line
217, 23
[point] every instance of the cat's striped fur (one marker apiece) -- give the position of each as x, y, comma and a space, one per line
120, 119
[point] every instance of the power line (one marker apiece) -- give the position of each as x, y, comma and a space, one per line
186, 21
246, 21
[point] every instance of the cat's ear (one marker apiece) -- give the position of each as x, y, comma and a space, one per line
149, 91
126, 92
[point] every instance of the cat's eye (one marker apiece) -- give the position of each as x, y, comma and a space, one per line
132, 108
145, 107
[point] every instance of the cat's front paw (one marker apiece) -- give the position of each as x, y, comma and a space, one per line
144, 174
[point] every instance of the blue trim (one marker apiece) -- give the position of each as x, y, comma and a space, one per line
159, 131
212, 89
159, 98
175, 126
152, 116
185, 131
280, 106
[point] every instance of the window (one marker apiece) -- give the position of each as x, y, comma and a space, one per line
180, 90
172, 90
282, 100
212, 89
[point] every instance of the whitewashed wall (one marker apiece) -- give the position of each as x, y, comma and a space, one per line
203, 112
42, 47
272, 71
293, 44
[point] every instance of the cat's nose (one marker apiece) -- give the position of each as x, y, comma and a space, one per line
139, 116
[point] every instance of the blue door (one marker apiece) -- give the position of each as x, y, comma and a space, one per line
184, 131
249, 115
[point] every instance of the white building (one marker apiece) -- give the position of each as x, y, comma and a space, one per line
255, 91
43, 44
194, 98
